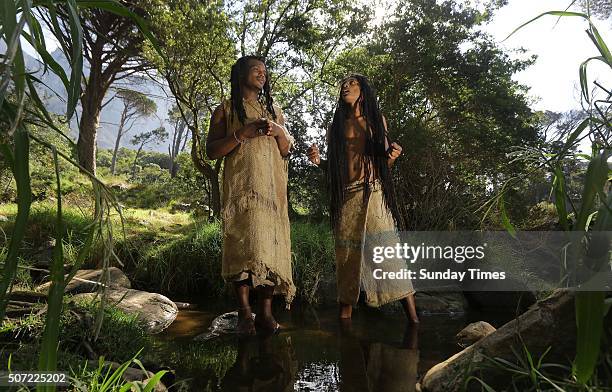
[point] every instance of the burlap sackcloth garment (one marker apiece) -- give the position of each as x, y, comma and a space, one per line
361, 227
256, 239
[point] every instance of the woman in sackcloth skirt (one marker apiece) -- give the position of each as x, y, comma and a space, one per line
248, 130
363, 207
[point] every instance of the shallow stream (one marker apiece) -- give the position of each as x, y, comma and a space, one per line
313, 352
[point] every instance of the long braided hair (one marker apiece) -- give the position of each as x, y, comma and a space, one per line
374, 157
239, 74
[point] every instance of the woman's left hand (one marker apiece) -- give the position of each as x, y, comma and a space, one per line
274, 129
395, 150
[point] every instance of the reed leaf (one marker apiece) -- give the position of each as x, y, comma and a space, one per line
584, 85
600, 44
505, 219
589, 323
21, 173
554, 13
48, 354
76, 33
48, 60
13, 65
596, 177
560, 195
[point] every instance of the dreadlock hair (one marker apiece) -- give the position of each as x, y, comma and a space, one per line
374, 157
238, 77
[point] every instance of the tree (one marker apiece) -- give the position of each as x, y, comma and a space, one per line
450, 101
111, 45
156, 136
297, 38
179, 139
599, 8
197, 56
135, 106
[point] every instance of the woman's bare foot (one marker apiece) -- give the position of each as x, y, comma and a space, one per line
266, 324
246, 325
346, 311
265, 321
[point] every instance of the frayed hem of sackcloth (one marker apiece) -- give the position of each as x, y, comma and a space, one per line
398, 298
261, 272
376, 304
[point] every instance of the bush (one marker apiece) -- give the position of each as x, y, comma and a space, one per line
313, 260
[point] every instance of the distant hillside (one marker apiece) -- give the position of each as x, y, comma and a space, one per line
111, 113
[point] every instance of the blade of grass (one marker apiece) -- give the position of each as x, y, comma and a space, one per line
596, 177
584, 85
505, 219
555, 13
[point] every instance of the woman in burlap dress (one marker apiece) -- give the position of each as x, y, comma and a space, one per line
363, 207
248, 130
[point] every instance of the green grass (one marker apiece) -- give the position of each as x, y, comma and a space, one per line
173, 253
120, 337
186, 261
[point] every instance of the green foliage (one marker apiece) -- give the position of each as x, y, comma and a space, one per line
527, 372
137, 103
120, 336
594, 200
104, 379
312, 248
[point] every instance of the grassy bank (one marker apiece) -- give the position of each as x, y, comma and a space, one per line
171, 253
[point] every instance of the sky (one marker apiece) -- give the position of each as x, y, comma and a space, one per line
561, 46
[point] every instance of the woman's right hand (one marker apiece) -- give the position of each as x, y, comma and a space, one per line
252, 129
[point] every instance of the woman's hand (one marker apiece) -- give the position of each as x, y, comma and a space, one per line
274, 129
313, 154
395, 150
259, 127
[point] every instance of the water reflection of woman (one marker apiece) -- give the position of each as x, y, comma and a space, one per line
266, 364
376, 366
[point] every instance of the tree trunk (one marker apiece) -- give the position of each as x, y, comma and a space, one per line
176, 147
215, 190
91, 102
216, 196
86, 144
114, 160
210, 172
118, 139
136, 159
172, 162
